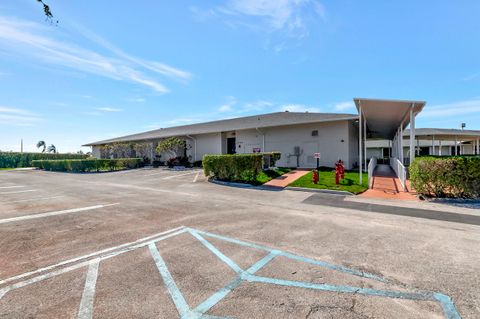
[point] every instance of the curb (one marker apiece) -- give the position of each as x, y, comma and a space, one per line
242, 185
315, 190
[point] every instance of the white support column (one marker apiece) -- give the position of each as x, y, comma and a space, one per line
418, 147
360, 148
365, 143
412, 134
433, 145
456, 151
478, 146
440, 147
401, 143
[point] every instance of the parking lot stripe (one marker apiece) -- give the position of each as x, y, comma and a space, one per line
86, 305
173, 231
179, 175
217, 252
177, 297
33, 199
55, 213
196, 177
18, 192
17, 186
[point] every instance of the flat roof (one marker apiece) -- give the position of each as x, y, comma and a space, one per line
383, 116
239, 123
445, 134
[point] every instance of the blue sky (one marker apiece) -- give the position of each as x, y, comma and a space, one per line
108, 70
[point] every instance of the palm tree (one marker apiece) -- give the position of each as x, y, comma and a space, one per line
52, 149
42, 144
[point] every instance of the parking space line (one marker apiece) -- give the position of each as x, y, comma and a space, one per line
55, 213
85, 310
34, 199
178, 175
17, 186
177, 297
18, 192
196, 177
173, 231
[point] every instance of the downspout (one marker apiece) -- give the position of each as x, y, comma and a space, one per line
195, 147
263, 139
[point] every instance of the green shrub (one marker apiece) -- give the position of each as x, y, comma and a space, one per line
87, 165
14, 159
235, 168
457, 176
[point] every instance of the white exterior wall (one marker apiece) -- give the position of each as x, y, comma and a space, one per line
284, 138
96, 151
207, 144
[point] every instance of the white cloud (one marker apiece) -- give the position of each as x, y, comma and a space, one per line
298, 108
471, 77
17, 117
108, 109
228, 106
342, 106
23, 37
289, 16
468, 107
136, 99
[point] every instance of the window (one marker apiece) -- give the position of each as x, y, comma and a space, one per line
315, 133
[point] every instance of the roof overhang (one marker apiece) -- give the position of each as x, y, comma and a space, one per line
384, 117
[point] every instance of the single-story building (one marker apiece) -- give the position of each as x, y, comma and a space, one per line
378, 130
297, 136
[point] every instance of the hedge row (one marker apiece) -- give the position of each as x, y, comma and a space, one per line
14, 159
88, 165
446, 177
237, 167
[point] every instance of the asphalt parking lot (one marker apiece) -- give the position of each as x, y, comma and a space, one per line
167, 244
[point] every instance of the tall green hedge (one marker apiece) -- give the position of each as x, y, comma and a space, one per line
88, 165
14, 159
457, 176
234, 168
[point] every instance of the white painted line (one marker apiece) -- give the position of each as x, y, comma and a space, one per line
34, 199
60, 212
196, 177
173, 176
11, 186
54, 273
158, 173
86, 305
63, 263
143, 188
17, 192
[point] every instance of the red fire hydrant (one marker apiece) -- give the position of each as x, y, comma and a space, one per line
315, 176
339, 171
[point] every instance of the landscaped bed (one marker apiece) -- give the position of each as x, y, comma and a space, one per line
351, 182
88, 165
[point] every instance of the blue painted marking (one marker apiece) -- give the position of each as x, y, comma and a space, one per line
333, 267
262, 262
232, 240
217, 252
248, 275
216, 297
448, 306
343, 289
296, 257
177, 297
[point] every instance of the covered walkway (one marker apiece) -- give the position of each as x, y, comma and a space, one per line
385, 184
387, 119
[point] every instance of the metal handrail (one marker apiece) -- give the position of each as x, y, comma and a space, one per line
371, 168
400, 170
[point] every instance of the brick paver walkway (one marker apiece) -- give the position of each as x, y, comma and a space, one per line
386, 185
285, 179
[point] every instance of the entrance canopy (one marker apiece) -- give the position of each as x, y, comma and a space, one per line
384, 117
